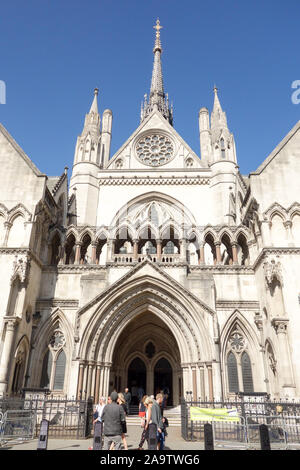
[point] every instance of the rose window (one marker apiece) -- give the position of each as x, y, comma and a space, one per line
155, 149
57, 340
237, 342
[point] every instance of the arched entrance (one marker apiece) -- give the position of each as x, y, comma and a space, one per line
163, 378
147, 315
136, 379
147, 357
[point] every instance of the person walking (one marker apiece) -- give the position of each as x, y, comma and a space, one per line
99, 410
113, 417
156, 418
121, 401
148, 402
142, 409
127, 396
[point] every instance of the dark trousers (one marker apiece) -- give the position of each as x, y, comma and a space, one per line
144, 437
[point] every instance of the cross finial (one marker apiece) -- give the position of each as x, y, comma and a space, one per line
158, 27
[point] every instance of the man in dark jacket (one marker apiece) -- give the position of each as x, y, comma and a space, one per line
157, 419
127, 396
113, 417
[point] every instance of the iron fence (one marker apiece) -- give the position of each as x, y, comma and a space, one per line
67, 417
282, 417
16, 425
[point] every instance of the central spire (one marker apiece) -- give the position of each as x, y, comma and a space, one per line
157, 99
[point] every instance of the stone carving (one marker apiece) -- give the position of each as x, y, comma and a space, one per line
272, 270
280, 325
272, 361
21, 267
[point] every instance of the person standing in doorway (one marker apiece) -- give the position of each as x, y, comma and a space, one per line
127, 396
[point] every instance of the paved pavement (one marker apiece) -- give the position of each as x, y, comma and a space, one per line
174, 441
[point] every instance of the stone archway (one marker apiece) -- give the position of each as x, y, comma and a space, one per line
145, 350
184, 325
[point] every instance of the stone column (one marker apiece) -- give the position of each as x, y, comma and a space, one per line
111, 249
202, 257
135, 249
176, 400
158, 249
80, 382
185, 378
210, 383
194, 377
97, 383
7, 352
101, 378
7, 226
234, 253
89, 379
150, 381
202, 382
218, 252
106, 379
93, 254
288, 226
77, 252
286, 373
259, 324
61, 254
182, 243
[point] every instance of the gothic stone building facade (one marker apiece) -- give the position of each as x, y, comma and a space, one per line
153, 268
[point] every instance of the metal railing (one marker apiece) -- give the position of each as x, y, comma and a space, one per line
277, 414
67, 417
17, 426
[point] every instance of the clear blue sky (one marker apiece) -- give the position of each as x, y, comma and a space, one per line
54, 53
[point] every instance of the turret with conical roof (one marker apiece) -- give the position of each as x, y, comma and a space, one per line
88, 143
87, 163
216, 141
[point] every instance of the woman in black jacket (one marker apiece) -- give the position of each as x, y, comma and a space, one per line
121, 401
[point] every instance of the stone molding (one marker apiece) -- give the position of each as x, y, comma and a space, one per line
74, 268
273, 251
161, 180
63, 303
21, 252
238, 304
132, 271
220, 268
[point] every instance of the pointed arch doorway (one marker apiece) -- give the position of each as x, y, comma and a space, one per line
136, 378
163, 378
147, 356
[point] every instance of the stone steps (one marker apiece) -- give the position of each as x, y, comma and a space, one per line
173, 415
